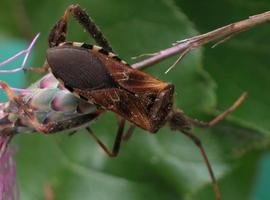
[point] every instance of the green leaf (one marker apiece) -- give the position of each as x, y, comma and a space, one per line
238, 184
162, 166
240, 64
237, 65
149, 164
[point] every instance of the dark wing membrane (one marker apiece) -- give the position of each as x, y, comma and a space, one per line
74, 122
125, 104
77, 68
132, 80
153, 98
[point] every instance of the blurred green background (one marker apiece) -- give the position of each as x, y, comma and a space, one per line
167, 165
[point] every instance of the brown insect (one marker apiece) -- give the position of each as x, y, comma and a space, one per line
99, 77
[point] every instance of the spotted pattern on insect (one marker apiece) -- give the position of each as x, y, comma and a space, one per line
114, 97
111, 55
77, 44
93, 48
124, 62
103, 51
87, 46
63, 43
96, 49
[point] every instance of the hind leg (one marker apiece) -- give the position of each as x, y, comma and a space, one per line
59, 30
221, 116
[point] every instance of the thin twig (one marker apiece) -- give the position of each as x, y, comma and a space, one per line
25, 52
197, 41
178, 60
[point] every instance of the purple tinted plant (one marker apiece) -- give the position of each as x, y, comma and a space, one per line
8, 188
49, 102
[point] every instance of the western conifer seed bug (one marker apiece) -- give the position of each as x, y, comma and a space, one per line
96, 75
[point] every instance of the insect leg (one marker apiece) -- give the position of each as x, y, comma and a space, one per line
221, 116
129, 133
39, 69
58, 32
48, 192
117, 141
198, 143
130, 130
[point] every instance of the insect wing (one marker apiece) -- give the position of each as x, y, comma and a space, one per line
121, 102
100, 78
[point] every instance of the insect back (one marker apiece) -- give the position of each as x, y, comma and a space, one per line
102, 78
78, 68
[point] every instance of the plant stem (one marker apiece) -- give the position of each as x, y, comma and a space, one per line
184, 46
